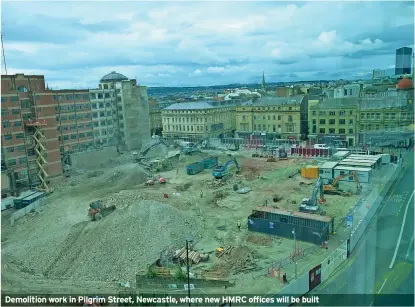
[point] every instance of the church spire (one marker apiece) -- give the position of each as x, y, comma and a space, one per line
263, 81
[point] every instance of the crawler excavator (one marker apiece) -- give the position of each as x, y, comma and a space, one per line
312, 205
333, 187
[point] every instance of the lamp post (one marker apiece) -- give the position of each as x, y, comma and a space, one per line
188, 239
295, 246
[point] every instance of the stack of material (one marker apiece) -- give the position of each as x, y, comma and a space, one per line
193, 256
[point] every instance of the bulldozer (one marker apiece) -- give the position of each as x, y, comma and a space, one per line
333, 186
98, 210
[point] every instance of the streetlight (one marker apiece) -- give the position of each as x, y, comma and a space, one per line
188, 239
295, 245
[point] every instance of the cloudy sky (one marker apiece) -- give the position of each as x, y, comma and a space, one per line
202, 43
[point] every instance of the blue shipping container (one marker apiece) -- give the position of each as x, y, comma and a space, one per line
210, 162
195, 168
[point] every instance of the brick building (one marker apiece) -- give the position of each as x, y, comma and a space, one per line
30, 146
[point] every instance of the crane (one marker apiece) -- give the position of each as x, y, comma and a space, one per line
333, 187
311, 205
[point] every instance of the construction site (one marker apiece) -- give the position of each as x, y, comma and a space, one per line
127, 222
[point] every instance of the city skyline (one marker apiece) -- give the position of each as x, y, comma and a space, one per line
235, 42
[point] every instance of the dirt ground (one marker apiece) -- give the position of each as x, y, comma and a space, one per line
58, 249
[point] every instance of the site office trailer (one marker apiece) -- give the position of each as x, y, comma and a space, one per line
326, 170
308, 227
357, 163
363, 173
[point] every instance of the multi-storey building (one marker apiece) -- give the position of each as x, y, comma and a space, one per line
348, 90
199, 119
120, 112
74, 120
334, 118
156, 125
30, 145
275, 116
403, 61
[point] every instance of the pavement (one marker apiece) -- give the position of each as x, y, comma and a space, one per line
383, 260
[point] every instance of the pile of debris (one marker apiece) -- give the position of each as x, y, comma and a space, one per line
194, 257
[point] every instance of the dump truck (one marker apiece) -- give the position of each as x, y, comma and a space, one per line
98, 210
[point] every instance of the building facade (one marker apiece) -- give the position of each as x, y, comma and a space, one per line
120, 112
334, 119
30, 145
156, 125
275, 116
347, 90
403, 61
199, 119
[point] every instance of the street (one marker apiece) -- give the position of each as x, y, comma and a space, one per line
383, 260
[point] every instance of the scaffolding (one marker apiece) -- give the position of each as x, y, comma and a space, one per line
41, 152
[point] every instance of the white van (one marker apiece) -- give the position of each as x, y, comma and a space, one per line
321, 146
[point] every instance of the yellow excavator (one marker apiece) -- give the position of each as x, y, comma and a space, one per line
333, 186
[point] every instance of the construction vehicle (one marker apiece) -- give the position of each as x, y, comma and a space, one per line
311, 205
188, 148
98, 210
333, 186
282, 154
225, 170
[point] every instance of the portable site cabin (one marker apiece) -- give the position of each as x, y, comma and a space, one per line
326, 170
34, 198
363, 173
18, 201
340, 155
357, 164
376, 162
376, 158
308, 227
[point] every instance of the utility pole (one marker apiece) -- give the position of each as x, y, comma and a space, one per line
4, 57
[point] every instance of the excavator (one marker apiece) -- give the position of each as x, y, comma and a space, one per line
311, 205
222, 171
333, 186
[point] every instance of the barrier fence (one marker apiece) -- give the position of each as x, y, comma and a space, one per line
318, 274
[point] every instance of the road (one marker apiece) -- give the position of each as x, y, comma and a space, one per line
383, 260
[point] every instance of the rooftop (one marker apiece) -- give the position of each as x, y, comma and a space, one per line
273, 101
348, 102
303, 215
200, 105
113, 77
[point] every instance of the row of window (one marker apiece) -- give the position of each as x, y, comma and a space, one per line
75, 136
184, 128
5, 112
341, 113
104, 95
270, 108
278, 117
72, 107
331, 130
7, 124
70, 97
288, 127
101, 114
332, 121
73, 117
9, 137
11, 99
377, 127
184, 120
87, 125
13, 162
101, 105
388, 116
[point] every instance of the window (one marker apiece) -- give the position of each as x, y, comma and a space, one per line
85, 97
80, 126
342, 131
6, 124
269, 117
290, 118
345, 92
79, 106
102, 122
66, 137
332, 113
362, 116
393, 116
12, 162
290, 108
8, 137
15, 111
314, 113
105, 86
19, 135
377, 115
332, 122
79, 116
108, 105
279, 117
254, 117
322, 130
63, 108
22, 160
342, 113
107, 95
72, 127
322, 121
254, 127
20, 148
4, 112
322, 113
350, 112
14, 99
3, 99
99, 96
73, 136
93, 96
87, 115
10, 149
37, 97
332, 130
314, 121
69, 97
350, 131
22, 89
18, 123
350, 121
342, 121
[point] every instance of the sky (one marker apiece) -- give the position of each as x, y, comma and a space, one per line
194, 43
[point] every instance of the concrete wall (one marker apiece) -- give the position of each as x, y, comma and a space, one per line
93, 159
136, 115
22, 212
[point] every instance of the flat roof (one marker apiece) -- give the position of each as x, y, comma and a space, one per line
351, 168
303, 215
364, 164
372, 162
328, 165
375, 157
341, 153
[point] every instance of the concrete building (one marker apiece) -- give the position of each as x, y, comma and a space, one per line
287, 91
378, 73
120, 112
199, 119
156, 124
334, 120
403, 61
30, 146
347, 90
276, 116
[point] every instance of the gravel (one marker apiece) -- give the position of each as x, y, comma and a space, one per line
126, 241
